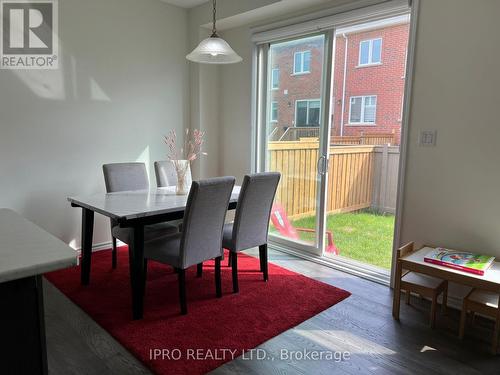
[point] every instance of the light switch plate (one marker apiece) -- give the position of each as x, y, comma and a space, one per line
427, 138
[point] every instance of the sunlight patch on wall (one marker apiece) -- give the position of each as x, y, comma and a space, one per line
46, 84
145, 157
73, 244
97, 93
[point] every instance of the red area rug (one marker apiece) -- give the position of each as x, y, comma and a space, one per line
216, 330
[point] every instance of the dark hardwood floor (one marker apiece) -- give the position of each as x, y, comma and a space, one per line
361, 325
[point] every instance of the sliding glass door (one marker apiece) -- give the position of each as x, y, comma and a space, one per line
296, 136
329, 119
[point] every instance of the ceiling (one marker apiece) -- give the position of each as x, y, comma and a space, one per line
185, 3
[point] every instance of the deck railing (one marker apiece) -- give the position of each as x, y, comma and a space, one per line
297, 133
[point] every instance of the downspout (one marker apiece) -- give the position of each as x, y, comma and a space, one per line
343, 88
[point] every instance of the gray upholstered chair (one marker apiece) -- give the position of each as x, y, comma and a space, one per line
130, 177
251, 222
166, 174
201, 238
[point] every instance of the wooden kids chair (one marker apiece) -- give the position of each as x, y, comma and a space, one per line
424, 285
485, 303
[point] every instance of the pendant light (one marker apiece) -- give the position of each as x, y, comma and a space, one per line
214, 50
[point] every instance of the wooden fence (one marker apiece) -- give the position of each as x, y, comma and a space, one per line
358, 177
296, 133
366, 139
385, 178
349, 180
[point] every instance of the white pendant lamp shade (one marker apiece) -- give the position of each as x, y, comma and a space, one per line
214, 50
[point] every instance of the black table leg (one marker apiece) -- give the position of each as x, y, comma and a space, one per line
136, 262
22, 327
87, 235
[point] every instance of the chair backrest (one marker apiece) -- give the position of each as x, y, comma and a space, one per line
256, 198
166, 174
125, 177
204, 217
405, 250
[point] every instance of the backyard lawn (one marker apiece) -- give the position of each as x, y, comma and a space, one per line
364, 236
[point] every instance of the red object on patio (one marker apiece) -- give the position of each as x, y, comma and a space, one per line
215, 329
281, 222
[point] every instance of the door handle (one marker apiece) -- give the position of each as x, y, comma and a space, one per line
321, 166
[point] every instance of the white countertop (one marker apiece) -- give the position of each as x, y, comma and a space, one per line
27, 250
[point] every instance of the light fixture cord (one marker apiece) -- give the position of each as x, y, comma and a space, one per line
214, 30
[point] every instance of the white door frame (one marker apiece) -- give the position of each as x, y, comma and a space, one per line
259, 147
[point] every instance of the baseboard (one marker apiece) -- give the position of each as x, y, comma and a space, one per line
101, 246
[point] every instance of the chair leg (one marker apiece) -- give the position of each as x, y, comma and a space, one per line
182, 290
218, 282
234, 266
229, 258
113, 253
199, 269
261, 258
145, 272
433, 311
408, 294
463, 319
445, 299
496, 330
264, 262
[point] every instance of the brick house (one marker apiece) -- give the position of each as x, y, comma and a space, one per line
368, 86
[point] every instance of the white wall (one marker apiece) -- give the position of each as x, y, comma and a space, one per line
452, 191
122, 84
235, 110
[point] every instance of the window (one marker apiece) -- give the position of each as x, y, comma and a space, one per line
302, 62
274, 112
307, 112
275, 79
370, 52
363, 109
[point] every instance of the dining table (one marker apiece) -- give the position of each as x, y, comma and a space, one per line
135, 210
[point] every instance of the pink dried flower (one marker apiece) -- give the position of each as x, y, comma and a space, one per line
192, 145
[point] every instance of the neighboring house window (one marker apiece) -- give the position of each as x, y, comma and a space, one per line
370, 52
363, 109
302, 62
307, 112
275, 78
274, 112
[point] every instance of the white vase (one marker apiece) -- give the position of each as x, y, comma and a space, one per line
183, 171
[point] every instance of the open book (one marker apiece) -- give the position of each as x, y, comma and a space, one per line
460, 260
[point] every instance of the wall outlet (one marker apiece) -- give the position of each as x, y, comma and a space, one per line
427, 138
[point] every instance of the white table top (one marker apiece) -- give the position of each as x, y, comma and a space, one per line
491, 275
27, 250
136, 204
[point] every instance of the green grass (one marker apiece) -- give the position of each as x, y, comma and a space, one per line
364, 236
